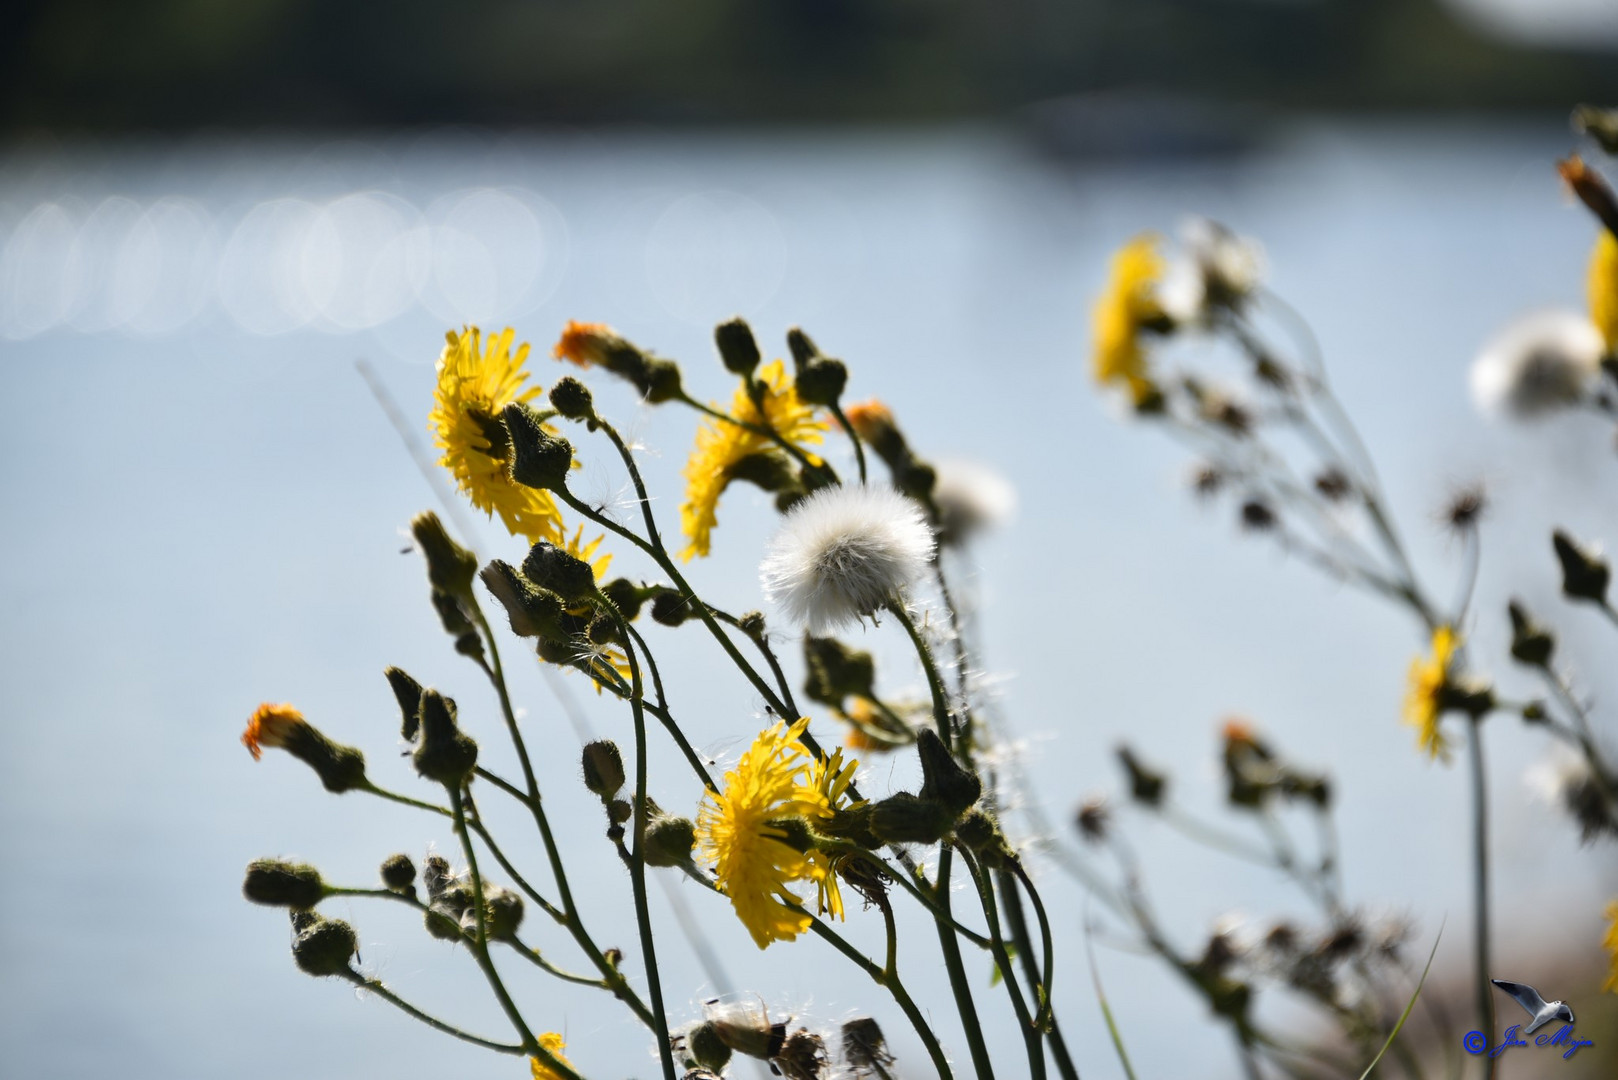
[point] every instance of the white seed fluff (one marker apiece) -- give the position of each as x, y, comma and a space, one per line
1542, 362
842, 553
971, 497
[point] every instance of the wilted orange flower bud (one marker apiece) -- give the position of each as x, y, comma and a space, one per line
271, 725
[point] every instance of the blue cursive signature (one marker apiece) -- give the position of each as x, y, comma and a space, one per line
1474, 1042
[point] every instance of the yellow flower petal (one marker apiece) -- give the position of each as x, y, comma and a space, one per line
1423, 706
1125, 306
1603, 287
553, 1044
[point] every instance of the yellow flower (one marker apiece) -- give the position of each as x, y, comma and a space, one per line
745, 831
722, 446
1610, 943
474, 384
553, 1044
271, 725
1603, 286
1120, 314
1423, 705
826, 791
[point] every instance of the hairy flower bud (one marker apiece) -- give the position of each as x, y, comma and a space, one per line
278, 883
706, 1048
504, 912
339, 767
539, 459
407, 692
566, 575
737, 347
603, 768
670, 608
446, 753
1531, 643
534, 612
943, 779
450, 567
902, 818
669, 841
834, 671
1146, 786
323, 946
399, 873
572, 399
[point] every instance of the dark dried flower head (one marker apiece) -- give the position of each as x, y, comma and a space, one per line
1092, 818
1333, 484
1282, 938
1207, 480
1466, 508
1257, 515
1344, 939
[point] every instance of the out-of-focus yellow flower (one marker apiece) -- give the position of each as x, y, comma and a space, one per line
1610, 943
744, 831
553, 1044
474, 384
1127, 305
1603, 286
1424, 707
271, 725
722, 446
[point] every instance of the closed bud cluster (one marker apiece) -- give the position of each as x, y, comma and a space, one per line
278, 883
340, 768
671, 609
944, 780
982, 836
737, 347
626, 596
502, 915
450, 567
539, 459
323, 946
603, 768
835, 671
864, 1049
446, 753
1585, 574
820, 379
1531, 643
533, 611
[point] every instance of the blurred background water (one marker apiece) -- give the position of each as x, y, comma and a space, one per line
208, 216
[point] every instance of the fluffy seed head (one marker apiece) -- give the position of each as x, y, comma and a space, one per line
843, 552
1541, 363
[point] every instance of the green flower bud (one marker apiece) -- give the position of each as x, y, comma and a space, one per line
278, 883
572, 399
1585, 574
661, 381
450, 567
902, 818
836, 671
705, 1046
533, 612
669, 841
821, 381
737, 347
446, 753
603, 768
944, 781
407, 692
539, 459
568, 576
985, 840
1531, 643
619, 811
442, 922
323, 946
504, 912
399, 873
768, 469
625, 595
339, 767
670, 608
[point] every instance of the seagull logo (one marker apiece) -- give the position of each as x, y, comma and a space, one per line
1542, 1011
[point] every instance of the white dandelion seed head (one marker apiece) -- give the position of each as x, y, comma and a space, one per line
1551, 778
971, 497
842, 553
1538, 364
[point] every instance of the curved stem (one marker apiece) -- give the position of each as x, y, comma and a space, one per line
935, 684
375, 986
853, 437
1018, 923
1008, 973
1047, 944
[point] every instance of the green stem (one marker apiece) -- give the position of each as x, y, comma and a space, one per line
375, 986
935, 684
480, 945
637, 863
1020, 936
957, 971
853, 437
1047, 945
1032, 1042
